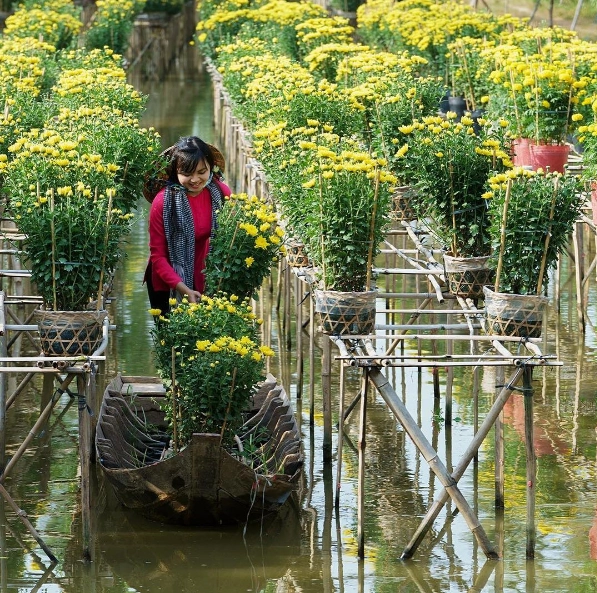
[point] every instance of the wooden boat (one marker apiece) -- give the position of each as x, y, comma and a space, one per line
202, 484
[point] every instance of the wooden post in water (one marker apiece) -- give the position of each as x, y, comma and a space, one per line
499, 445
85, 462
531, 459
361, 471
3, 383
311, 357
340, 435
326, 392
298, 295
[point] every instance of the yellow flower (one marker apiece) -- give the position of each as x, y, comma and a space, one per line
202, 345
249, 261
261, 243
155, 312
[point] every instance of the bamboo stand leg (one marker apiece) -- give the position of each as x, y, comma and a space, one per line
531, 461
3, 383
499, 447
449, 379
85, 431
340, 435
22, 515
326, 391
326, 534
460, 468
483, 577
299, 337
418, 437
311, 360
43, 417
361, 471
287, 301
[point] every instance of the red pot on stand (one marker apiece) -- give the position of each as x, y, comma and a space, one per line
552, 157
521, 152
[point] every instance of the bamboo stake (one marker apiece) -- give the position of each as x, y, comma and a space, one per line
229, 404
547, 236
106, 237
53, 235
372, 232
174, 410
323, 266
468, 74
498, 272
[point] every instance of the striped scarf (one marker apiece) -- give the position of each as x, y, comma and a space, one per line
180, 230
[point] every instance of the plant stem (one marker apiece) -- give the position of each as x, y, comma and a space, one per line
548, 235
503, 236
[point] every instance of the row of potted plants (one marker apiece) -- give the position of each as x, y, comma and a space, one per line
73, 164
449, 162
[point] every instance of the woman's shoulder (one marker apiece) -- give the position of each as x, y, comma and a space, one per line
158, 202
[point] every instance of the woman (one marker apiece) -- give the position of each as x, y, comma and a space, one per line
182, 219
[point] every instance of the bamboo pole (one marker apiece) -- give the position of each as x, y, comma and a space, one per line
340, 435
311, 358
299, 337
85, 464
503, 236
326, 390
372, 232
531, 464
106, 237
499, 448
53, 235
361, 470
174, 410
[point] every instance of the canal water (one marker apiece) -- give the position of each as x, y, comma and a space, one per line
313, 548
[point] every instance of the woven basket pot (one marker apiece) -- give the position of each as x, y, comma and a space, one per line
296, 256
345, 313
519, 315
402, 208
70, 333
467, 276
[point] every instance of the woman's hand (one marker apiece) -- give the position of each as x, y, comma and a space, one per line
193, 296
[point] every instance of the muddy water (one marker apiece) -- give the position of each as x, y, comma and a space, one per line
313, 548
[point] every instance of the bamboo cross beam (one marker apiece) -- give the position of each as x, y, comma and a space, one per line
439, 469
462, 465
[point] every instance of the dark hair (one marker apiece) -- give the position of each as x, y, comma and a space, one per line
186, 154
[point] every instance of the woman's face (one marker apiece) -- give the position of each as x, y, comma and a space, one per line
197, 180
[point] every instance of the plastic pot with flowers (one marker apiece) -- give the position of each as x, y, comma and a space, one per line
451, 162
532, 214
541, 97
347, 203
74, 209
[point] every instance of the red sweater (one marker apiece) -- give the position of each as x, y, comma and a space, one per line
163, 276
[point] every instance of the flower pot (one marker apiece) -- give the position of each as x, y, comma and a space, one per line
467, 275
549, 157
402, 204
457, 105
296, 256
70, 333
521, 152
518, 315
345, 313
